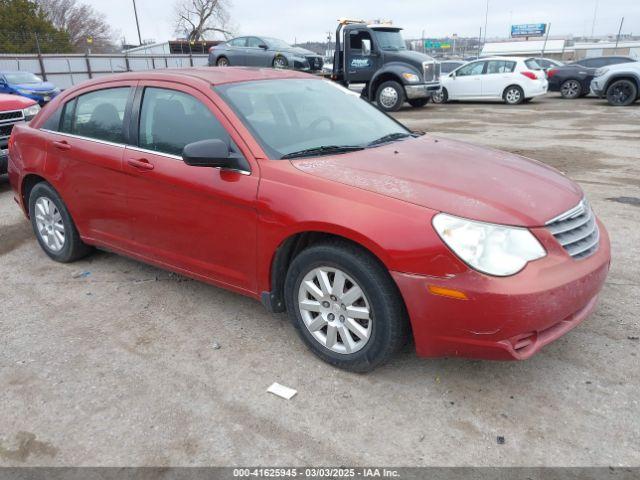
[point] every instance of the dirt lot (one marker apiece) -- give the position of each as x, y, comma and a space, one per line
111, 362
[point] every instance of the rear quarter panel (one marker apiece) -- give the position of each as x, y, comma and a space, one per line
27, 155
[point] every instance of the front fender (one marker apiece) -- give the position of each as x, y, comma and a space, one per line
395, 70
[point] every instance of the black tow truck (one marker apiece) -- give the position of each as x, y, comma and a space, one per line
377, 56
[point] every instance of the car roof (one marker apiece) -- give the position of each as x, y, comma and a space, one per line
208, 75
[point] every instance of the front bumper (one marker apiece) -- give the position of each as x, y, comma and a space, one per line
597, 87
422, 90
509, 318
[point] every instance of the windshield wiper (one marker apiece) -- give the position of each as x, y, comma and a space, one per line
389, 138
323, 150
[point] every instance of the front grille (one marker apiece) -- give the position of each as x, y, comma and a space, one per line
315, 63
5, 130
431, 71
16, 114
577, 231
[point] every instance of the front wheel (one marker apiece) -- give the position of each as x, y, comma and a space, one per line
513, 95
622, 93
440, 97
571, 89
419, 102
53, 226
345, 306
280, 62
222, 62
390, 96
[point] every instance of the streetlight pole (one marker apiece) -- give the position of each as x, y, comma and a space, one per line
135, 12
593, 25
615, 50
486, 19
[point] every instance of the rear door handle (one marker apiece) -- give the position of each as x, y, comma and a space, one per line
141, 164
61, 145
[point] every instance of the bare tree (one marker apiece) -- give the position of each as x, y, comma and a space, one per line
197, 18
86, 27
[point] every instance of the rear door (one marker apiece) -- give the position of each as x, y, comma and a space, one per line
467, 82
85, 150
237, 51
497, 77
198, 220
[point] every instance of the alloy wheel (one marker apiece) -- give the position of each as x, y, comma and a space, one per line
50, 225
570, 89
335, 310
513, 96
280, 62
223, 62
620, 93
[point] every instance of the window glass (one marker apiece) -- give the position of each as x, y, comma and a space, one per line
98, 115
287, 116
254, 42
67, 116
505, 66
238, 42
534, 64
471, 69
169, 120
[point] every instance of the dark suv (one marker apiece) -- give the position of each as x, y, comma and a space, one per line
574, 80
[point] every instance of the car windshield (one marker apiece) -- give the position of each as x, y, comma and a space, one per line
390, 40
300, 117
21, 77
276, 43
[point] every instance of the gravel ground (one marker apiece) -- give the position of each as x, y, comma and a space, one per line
111, 362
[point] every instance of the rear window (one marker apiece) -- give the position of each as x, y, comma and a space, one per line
532, 64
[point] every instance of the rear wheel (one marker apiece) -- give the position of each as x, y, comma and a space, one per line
345, 306
440, 97
222, 62
53, 226
622, 93
390, 96
513, 95
419, 102
571, 89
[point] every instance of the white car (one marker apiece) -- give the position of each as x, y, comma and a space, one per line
511, 79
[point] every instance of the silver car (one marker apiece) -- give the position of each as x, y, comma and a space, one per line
263, 52
619, 84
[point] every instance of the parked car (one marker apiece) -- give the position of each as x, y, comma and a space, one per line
263, 52
27, 85
619, 84
448, 66
511, 79
290, 189
13, 110
574, 79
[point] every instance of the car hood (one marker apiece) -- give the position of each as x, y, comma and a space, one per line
36, 87
455, 177
14, 102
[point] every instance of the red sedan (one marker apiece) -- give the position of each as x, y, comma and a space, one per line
295, 191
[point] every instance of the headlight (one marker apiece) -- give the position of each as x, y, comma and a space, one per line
411, 77
601, 71
493, 249
30, 112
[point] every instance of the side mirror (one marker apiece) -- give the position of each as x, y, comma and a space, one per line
453, 75
263, 46
210, 153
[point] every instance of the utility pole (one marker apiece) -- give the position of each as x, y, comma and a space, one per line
544, 46
615, 50
479, 42
135, 12
424, 47
593, 25
486, 19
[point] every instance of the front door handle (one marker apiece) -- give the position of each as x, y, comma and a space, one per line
61, 145
141, 164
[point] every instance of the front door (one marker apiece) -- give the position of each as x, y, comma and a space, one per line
361, 59
467, 81
256, 56
199, 220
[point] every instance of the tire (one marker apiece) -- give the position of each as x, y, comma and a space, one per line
280, 62
513, 95
49, 215
222, 62
622, 93
571, 89
387, 324
390, 96
440, 97
419, 102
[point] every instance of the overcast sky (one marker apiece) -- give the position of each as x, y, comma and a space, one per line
312, 19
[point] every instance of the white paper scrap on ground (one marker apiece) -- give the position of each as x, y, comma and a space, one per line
282, 391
